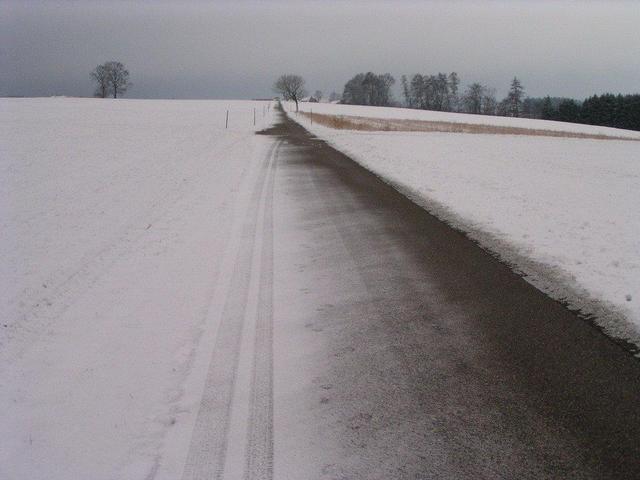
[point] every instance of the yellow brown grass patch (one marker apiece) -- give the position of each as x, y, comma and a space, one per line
370, 124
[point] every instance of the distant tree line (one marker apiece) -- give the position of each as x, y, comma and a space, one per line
369, 89
608, 110
442, 92
431, 92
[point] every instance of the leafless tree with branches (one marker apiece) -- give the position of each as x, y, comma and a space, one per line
101, 76
118, 78
291, 87
112, 78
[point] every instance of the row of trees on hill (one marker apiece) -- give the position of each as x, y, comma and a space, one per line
432, 92
369, 89
439, 92
111, 79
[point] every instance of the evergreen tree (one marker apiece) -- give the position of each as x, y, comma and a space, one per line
618, 111
548, 112
569, 111
514, 98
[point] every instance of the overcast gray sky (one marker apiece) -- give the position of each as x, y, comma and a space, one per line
191, 49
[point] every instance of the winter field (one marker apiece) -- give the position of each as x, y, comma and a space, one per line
404, 114
116, 216
121, 228
562, 211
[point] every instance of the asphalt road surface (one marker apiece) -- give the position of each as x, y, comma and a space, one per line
386, 345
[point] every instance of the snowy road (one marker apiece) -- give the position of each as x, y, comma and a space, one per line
362, 338
200, 302
559, 210
402, 350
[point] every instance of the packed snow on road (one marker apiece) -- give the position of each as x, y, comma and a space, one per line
116, 218
563, 211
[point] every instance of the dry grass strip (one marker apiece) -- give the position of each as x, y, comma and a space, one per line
369, 124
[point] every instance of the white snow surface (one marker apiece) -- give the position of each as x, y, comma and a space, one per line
432, 116
115, 220
119, 227
564, 212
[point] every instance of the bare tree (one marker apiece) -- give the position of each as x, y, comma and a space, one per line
406, 92
118, 78
454, 101
418, 91
369, 89
473, 98
291, 87
111, 78
318, 95
502, 109
353, 93
441, 92
432, 92
489, 102
101, 76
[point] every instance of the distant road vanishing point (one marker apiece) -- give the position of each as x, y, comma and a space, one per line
387, 345
205, 290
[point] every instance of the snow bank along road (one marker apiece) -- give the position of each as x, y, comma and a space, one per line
563, 211
189, 302
419, 355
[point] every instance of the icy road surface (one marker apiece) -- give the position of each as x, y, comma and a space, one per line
563, 211
418, 355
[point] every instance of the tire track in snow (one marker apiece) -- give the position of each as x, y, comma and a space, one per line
208, 448
259, 454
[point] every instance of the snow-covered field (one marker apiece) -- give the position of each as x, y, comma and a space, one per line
562, 211
432, 116
115, 218
120, 220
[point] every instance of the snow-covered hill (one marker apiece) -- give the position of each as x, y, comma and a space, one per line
115, 218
